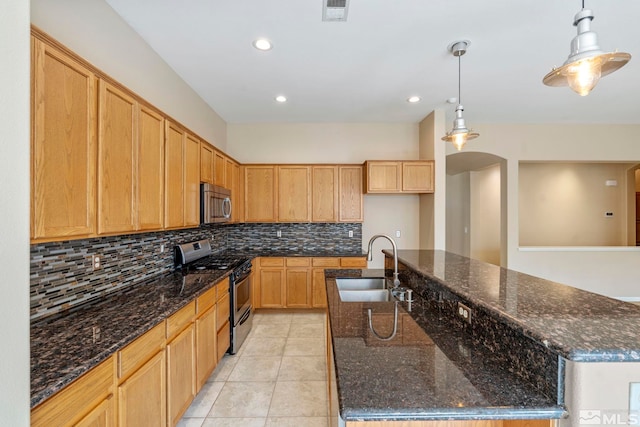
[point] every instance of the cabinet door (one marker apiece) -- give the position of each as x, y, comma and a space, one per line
174, 169
272, 288
383, 177
117, 160
237, 192
417, 177
260, 198
219, 169
228, 173
180, 374
63, 145
101, 416
319, 290
324, 193
350, 194
298, 286
150, 169
206, 355
294, 198
191, 181
142, 397
206, 163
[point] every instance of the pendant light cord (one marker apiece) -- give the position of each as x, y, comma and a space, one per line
459, 93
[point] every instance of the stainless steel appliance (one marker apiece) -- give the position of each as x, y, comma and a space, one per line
198, 257
215, 204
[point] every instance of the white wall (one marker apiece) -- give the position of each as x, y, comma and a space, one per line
341, 143
14, 211
484, 213
564, 204
602, 271
94, 31
458, 213
602, 387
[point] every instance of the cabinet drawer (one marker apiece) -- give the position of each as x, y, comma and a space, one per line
222, 289
353, 262
223, 311
298, 262
271, 262
181, 319
142, 349
206, 300
76, 400
325, 262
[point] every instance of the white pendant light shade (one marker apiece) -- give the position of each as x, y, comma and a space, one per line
460, 134
586, 63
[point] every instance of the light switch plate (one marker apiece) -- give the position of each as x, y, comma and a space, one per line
634, 404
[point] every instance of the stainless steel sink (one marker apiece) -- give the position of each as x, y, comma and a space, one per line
364, 295
361, 283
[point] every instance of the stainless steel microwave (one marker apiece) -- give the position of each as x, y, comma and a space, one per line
215, 204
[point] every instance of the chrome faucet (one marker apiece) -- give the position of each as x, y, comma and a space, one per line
396, 281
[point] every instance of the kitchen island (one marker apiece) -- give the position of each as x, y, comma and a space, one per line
515, 359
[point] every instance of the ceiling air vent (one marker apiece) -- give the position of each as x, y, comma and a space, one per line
335, 10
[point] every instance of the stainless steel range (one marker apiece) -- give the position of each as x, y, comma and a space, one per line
197, 257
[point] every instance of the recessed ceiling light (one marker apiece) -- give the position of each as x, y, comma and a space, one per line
414, 99
281, 98
262, 44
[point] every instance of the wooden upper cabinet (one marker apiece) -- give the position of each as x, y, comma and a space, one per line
117, 160
260, 199
383, 177
219, 169
417, 177
324, 193
191, 181
228, 173
350, 194
63, 145
173, 173
237, 192
206, 163
150, 169
411, 176
294, 198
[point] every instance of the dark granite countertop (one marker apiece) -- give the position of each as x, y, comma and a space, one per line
63, 347
431, 370
578, 325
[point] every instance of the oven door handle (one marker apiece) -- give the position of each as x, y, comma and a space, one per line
245, 316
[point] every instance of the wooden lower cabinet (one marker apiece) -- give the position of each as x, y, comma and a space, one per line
88, 401
222, 319
181, 374
206, 337
142, 397
296, 282
181, 362
101, 416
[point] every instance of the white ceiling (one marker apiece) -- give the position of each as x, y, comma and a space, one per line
363, 70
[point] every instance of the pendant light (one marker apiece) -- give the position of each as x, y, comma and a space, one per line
459, 135
586, 62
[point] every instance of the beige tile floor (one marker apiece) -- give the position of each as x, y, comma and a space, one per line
278, 378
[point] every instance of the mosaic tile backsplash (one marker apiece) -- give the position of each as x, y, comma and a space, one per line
62, 275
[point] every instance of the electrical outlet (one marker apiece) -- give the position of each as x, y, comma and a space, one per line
95, 262
398, 233
162, 248
279, 233
464, 312
350, 233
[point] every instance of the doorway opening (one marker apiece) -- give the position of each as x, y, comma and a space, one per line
476, 206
